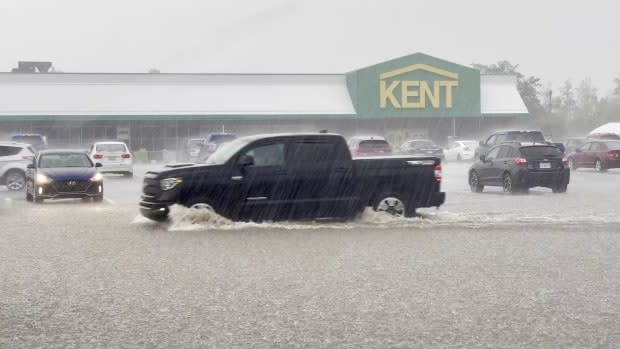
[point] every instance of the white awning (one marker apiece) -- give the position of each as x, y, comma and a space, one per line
173, 94
499, 95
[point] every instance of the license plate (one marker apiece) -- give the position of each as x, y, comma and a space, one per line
545, 165
113, 158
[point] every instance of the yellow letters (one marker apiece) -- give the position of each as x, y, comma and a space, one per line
406, 92
449, 85
415, 93
388, 93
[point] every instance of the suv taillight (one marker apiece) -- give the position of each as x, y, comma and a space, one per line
125, 156
565, 162
98, 156
438, 173
521, 162
28, 157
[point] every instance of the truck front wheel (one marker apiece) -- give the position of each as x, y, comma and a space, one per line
394, 205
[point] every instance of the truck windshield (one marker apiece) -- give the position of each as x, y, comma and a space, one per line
226, 151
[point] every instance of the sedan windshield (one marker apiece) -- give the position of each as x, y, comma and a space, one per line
470, 144
375, 143
223, 153
64, 160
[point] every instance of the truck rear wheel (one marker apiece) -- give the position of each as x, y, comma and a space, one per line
394, 205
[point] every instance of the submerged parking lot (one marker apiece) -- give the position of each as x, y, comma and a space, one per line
486, 269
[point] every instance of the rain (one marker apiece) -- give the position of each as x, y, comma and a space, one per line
309, 174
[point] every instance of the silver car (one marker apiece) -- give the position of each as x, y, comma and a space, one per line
14, 158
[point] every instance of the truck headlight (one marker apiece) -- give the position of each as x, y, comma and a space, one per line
169, 183
98, 177
40, 178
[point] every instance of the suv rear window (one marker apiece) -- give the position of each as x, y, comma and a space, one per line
541, 152
111, 147
524, 137
374, 143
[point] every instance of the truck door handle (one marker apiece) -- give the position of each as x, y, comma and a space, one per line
236, 178
340, 169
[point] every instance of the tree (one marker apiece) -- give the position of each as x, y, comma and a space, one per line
567, 102
588, 104
528, 87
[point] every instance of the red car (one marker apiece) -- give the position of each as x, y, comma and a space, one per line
597, 154
369, 146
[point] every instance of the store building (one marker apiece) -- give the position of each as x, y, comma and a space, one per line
412, 96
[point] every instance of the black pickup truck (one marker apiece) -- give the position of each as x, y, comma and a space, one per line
294, 176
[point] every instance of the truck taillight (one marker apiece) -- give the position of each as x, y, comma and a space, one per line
438, 173
565, 162
521, 162
98, 156
125, 156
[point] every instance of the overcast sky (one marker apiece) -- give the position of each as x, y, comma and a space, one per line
550, 39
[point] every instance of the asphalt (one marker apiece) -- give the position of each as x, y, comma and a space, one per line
486, 270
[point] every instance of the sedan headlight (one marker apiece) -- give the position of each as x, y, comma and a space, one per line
98, 177
169, 183
40, 178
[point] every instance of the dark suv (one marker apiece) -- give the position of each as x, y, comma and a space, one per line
518, 167
508, 136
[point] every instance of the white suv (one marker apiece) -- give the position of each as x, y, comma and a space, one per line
114, 157
14, 158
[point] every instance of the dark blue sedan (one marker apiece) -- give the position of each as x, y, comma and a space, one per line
60, 174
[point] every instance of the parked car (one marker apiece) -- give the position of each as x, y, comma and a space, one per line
597, 154
191, 149
461, 150
508, 136
294, 176
421, 147
369, 146
213, 142
14, 158
59, 174
114, 157
518, 167
37, 141
570, 144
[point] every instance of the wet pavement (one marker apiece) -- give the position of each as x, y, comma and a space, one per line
486, 270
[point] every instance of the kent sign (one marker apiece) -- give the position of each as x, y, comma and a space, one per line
417, 85
414, 94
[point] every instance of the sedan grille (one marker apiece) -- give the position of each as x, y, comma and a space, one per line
71, 186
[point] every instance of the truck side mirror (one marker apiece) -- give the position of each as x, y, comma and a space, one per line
245, 160
31, 166
98, 164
